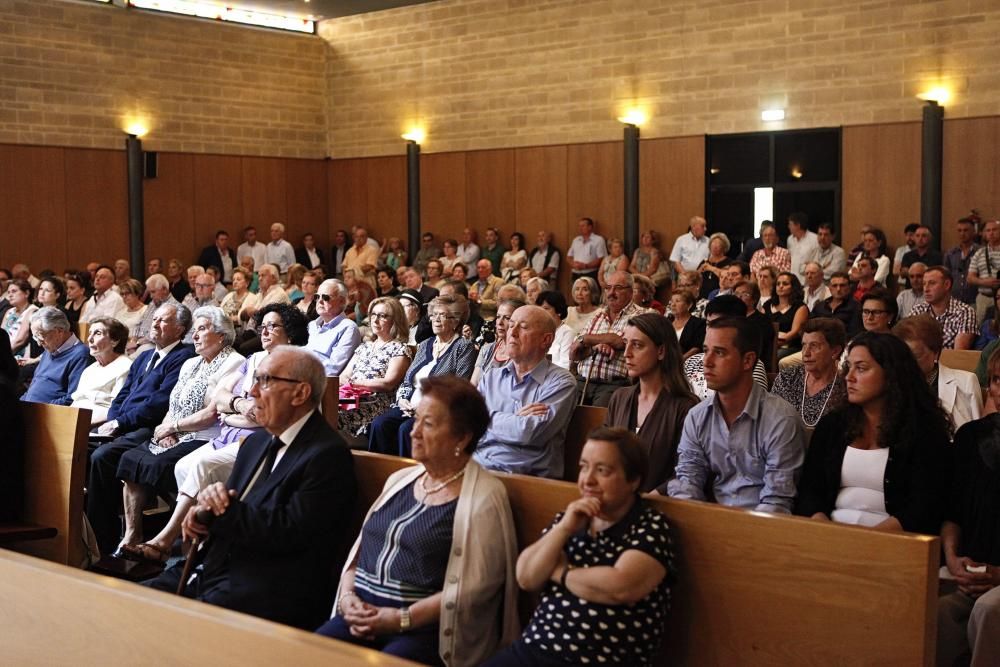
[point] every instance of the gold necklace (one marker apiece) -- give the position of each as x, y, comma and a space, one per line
435, 489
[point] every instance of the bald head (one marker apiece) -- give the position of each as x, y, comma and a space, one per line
529, 336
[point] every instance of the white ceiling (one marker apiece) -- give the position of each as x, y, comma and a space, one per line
320, 9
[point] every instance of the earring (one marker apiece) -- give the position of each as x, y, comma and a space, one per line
458, 452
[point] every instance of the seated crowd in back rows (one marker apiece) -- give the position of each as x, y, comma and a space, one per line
181, 370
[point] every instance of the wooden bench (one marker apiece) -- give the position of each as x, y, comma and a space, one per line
963, 360
756, 589
55, 615
55, 460
331, 402
585, 419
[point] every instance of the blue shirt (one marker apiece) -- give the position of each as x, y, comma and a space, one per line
58, 374
526, 445
333, 342
754, 464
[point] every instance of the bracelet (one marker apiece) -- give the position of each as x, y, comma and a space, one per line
562, 579
344, 596
232, 403
176, 428
404, 619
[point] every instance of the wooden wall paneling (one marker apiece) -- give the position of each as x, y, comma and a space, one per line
385, 180
264, 199
971, 172
169, 210
442, 194
595, 188
347, 195
671, 186
218, 202
33, 207
540, 198
880, 180
96, 206
490, 192
306, 201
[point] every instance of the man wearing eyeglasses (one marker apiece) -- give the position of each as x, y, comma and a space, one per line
601, 349
271, 545
332, 336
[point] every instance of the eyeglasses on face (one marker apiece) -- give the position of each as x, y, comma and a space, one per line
617, 288
266, 381
442, 316
381, 316
872, 312
270, 327
325, 298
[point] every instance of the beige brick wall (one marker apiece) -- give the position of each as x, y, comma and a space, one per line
70, 73
502, 73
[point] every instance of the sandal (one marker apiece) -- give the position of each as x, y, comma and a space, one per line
141, 553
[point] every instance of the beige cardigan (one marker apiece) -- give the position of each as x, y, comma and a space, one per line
480, 583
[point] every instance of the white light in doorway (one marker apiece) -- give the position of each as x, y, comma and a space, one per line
763, 207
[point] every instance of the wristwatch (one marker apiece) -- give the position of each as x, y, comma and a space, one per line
579, 339
404, 619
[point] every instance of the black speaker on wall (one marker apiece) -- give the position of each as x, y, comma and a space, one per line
150, 164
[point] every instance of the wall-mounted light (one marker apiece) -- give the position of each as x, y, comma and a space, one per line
796, 172
938, 94
771, 115
415, 134
635, 117
137, 129
713, 171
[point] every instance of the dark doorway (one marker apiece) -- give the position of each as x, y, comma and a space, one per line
801, 166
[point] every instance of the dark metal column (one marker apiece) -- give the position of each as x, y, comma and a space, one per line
930, 169
136, 232
631, 169
413, 196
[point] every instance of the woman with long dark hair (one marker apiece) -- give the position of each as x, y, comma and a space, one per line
788, 309
881, 460
654, 407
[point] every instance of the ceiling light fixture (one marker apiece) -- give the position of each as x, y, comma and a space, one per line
771, 115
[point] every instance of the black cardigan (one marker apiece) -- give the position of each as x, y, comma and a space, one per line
916, 478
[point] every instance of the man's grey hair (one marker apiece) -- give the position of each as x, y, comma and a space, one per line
220, 323
816, 264
271, 269
305, 366
339, 288
157, 281
50, 318
542, 283
181, 315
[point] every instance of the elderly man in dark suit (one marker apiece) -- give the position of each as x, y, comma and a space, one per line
221, 256
272, 536
137, 409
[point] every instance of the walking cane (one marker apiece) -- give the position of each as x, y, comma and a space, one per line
205, 518
586, 381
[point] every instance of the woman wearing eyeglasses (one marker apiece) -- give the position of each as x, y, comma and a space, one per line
447, 352
878, 311
278, 324
377, 367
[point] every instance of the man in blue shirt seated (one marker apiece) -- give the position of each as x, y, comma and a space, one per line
748, 443
63, 361
332, 337
530, 400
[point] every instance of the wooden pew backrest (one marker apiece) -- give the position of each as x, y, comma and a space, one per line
331, 401
585, 419
963, 360
54, 615
55, 461
760, 589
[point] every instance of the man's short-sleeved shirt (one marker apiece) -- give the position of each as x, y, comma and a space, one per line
958, 318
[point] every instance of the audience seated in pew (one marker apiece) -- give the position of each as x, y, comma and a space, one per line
377, 368
190, 422
332, 336
747, 443
957, 390
653, 408
101, 381
494, 354
882, 460
446, 353
431, 575
600, 351
725, 305
530, 401
63, 361
270, 549
969, 618
815, 387
279, 324
603, 567
137, 409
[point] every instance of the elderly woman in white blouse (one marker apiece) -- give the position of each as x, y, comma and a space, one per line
102, 380
191, 420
